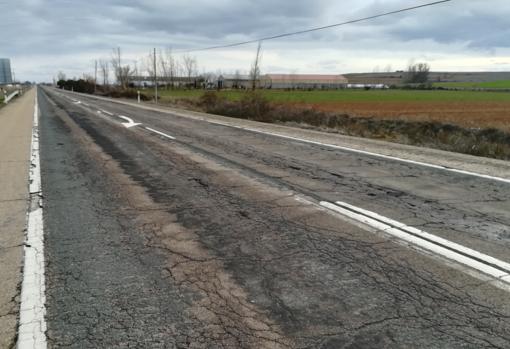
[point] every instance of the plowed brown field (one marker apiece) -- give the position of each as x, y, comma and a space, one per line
476, 114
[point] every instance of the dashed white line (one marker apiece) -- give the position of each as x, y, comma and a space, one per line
483, 263
107, 112
32, 324
159, 133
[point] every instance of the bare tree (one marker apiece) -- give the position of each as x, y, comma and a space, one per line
88, 78
163, 68
190, 67
123, 73
209, 79
149, 65
117, 64
255, 68
104, 70
168, 67
61, 76
237, 79
418, 73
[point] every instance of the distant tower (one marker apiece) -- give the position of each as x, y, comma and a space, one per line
5, 71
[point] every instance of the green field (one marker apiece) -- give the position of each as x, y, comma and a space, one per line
314, 97
505, 84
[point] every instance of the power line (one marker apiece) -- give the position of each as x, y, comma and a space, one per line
407, 9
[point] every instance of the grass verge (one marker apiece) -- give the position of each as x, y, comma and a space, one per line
501, 84
488, 142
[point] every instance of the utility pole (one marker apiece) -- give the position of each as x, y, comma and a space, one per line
95, 79
155, 79
255, 69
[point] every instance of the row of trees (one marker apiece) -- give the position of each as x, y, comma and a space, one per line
417, 73
163, 66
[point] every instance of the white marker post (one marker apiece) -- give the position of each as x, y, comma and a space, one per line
138, 97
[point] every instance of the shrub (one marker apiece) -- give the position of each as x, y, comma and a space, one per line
209, 99
130, 94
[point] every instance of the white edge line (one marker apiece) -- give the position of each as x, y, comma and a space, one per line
426, 245
32, 324
159, 133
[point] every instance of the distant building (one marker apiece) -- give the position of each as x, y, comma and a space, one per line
234, 81
303, 81
368, 86
5, 71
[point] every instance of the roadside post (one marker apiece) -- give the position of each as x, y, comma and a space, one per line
138, 96
155, 79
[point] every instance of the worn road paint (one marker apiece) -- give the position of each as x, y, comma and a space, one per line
130, 123
32, 324
159, 133
483, 263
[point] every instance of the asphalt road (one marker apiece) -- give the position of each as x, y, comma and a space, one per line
211, 238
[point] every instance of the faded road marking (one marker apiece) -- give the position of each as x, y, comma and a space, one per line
130, 123
32, 324
159, 133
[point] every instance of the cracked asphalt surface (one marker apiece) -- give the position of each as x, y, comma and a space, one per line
202, 242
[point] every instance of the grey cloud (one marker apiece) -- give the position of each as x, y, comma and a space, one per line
479, 23
66, 27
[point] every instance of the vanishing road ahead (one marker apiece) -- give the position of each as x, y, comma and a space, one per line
164, 230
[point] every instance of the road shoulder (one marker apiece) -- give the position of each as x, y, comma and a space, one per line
15, 139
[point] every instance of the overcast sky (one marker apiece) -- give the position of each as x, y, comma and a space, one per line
44, 36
